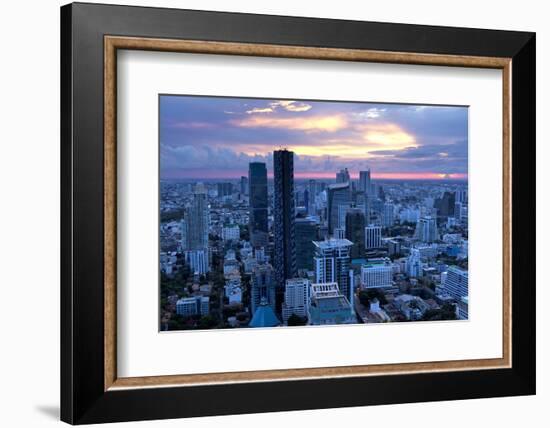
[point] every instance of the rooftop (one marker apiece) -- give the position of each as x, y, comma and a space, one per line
332, 243
264, 317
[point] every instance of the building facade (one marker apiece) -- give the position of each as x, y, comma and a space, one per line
284, 213
225, 189
329, 306
231, 233
198, 261
456, 283
258, 202
191, 306
426, 229
364, 181
377, 274
197, 221
296, 298
373, 237
388, 216
332, 264
306, 231
355, 231
337, 194
262, 287
244, 186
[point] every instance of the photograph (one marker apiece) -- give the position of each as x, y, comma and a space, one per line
287, 212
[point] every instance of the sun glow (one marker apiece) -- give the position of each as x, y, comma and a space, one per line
388, 136
309, 124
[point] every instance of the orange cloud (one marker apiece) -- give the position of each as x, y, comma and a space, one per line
308, 124
387, 135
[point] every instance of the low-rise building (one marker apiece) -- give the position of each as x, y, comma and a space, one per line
329, 306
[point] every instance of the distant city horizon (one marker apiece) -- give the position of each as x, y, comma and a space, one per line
328, 178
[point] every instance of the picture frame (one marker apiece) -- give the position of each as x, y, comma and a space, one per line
91, 35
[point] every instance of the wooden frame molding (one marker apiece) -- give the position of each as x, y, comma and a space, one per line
113, 43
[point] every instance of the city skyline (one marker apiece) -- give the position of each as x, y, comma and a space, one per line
261, 246
216, 138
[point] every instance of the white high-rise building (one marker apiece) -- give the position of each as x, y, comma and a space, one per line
332, 264
296, 298
426, 229
197, 261
377, 274
456, 283
414, 263
461, 196
373, 237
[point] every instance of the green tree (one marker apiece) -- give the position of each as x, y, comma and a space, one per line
296, 320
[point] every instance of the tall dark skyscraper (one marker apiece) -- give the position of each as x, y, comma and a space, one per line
355, 231
257, 181
225, 189
284, 256
445, 205
338, 194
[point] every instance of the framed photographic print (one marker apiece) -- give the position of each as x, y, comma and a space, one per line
265, 213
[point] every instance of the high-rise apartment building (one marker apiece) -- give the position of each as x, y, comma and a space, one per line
296, 299
426, 229
456, 283
197, 221
373, 237
332, 264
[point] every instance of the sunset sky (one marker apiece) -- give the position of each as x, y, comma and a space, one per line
215, 137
